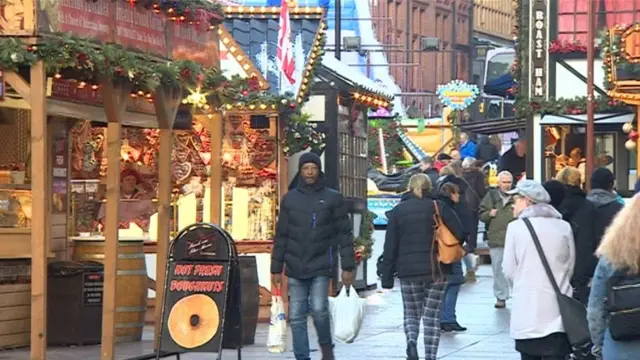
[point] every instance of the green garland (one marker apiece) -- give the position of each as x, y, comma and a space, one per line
300, 135
363, 244
394, 148
574, 106
520, 65
610, 51
80, 59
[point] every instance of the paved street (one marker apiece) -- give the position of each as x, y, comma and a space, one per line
382, 336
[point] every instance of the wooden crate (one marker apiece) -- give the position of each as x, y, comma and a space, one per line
15, 315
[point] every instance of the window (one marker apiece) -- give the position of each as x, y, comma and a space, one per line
353, 166
572, 16
498, 66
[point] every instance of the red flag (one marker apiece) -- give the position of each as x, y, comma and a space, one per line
285, 49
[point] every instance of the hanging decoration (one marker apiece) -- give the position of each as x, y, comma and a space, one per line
301, 135
632, 136
566, 47
363, 244
457, 94
392, 143
617, 62
573, 106
80, 60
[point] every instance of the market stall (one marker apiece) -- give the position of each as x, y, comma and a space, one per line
60, 77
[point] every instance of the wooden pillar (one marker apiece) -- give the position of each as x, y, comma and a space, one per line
166, 106
40, 212
215, 129
114, 106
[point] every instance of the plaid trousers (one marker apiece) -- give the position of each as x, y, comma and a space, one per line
421, 300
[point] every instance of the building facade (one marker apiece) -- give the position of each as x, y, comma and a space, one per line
401, 24
493, 22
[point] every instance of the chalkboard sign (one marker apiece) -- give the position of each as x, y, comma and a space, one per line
201, 260
92, 288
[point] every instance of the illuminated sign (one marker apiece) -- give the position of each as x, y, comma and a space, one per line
631, 44
457, 94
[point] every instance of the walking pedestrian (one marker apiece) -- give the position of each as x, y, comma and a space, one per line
614, 324
486, 151
514, 159
313, 227
476, 190
557, 192
410, 252
581, 214
496, 211
536, 324
450, 194
605, 199
467, 147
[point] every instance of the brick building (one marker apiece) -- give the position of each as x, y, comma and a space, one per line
401, 22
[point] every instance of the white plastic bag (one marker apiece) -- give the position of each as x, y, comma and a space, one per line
347, 313
277, 340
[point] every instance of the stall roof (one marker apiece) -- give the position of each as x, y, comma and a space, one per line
599, 118
354, 77
498, 126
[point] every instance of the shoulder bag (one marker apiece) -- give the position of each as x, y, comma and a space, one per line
572, 312
449, 249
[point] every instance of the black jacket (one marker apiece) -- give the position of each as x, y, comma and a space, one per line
313, 226
511, 162
581, 214
607, 207
485, 150
409, 239
476, 191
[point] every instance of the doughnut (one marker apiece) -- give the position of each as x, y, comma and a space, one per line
193, 321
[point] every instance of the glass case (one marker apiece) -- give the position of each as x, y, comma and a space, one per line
15, 208
249, 178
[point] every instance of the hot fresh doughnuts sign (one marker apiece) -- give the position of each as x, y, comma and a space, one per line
196, 290
195, 306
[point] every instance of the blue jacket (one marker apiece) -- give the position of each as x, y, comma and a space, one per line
468, 150
598, 319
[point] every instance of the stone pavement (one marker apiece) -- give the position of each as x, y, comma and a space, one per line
381, 336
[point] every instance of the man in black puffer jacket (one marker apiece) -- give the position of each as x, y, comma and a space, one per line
313, 225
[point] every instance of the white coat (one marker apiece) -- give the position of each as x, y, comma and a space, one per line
534, 312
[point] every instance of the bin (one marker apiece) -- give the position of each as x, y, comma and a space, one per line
74, 299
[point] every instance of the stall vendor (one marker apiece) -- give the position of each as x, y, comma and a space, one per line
136, 205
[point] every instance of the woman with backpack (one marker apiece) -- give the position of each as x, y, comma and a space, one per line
614, 302
409, 252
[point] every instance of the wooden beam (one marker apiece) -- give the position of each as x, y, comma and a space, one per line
40, 209
114, 107
166, 106
215, 129
19, 85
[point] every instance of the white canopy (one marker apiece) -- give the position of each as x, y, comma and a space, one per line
599, 118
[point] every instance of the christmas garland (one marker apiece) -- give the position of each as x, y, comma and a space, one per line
82, 61
519, 67
574, 106
610, 50
363, 244
394, 148
566, 47
300, 135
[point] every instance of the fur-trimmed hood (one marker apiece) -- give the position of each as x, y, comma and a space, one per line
540, 211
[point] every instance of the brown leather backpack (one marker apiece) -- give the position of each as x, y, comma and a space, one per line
449, 249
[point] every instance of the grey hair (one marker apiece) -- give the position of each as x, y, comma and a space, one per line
468, 162
505, 173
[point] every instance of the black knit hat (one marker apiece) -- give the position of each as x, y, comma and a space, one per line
309, 157
602, 178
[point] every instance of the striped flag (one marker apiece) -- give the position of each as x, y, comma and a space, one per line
285, 49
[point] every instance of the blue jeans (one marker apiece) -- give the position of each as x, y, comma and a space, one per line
454, 281
309, 295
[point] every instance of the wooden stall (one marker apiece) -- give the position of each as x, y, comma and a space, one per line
58, 71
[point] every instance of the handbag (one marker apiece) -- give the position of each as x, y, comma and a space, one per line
572, 312
449, 249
